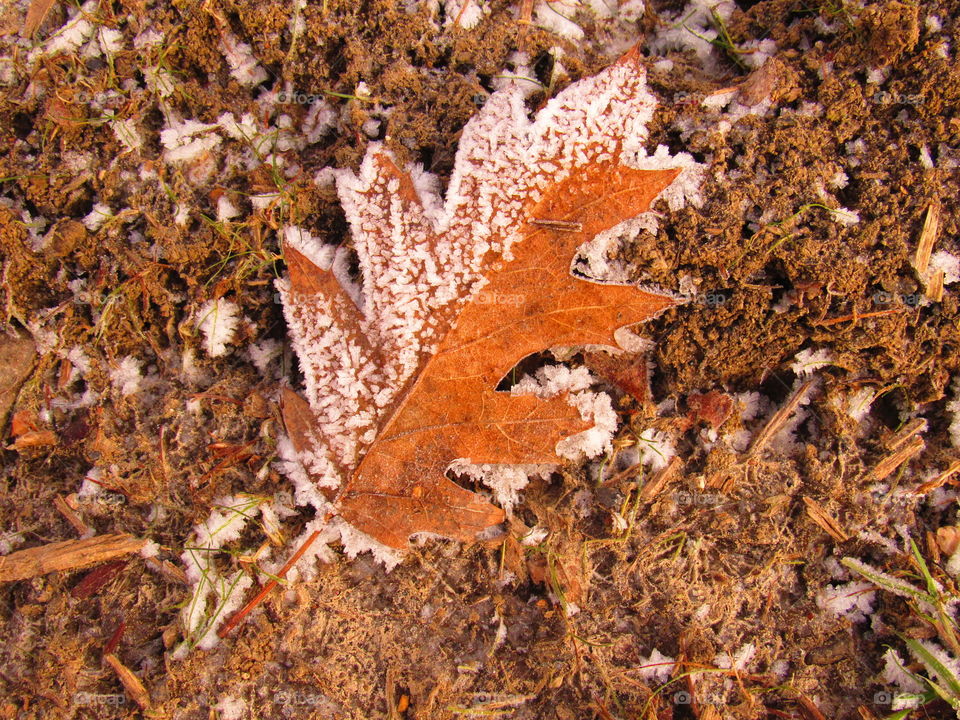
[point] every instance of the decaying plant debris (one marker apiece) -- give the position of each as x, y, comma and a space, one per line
682, 574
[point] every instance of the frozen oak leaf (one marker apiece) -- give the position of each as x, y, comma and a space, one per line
401, 370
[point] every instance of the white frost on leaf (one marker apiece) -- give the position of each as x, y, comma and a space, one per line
418, 258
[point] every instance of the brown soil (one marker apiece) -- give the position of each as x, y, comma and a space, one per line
692, 579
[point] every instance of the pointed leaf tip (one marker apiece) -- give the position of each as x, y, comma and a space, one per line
631, 56
305, 276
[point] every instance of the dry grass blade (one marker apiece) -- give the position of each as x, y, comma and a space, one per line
67, 555
131, 683
779, 419
825, 520
895, 459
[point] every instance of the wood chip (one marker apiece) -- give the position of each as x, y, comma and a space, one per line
826, 521
71, 516
131, 683
168, 570
66, 555
894, 460
35, 438
938, 480
906, 433
928, 236
779, 419
35, 15
948, 539
17, 357
934, 289
661, 478
710, 712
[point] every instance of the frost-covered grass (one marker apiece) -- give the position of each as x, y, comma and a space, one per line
935, 606
214, 596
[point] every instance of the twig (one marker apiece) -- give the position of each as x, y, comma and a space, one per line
778, 420
938, 480
71, 517
855, 316
258, 598
660, 479
906, 434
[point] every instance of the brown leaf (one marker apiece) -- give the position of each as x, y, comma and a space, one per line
528, 301
713, 407
629, 372
453, 411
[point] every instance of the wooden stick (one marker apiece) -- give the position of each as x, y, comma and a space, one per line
66, 555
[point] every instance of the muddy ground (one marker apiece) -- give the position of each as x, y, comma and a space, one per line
727, 554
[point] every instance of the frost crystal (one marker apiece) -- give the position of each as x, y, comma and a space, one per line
217, 320
806, 362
